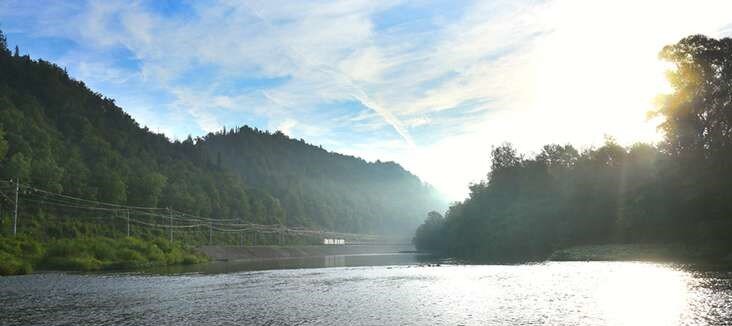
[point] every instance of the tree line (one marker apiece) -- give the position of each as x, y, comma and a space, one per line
58, 135
677, 191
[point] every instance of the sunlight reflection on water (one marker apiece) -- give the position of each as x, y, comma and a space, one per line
567, 293
641, 294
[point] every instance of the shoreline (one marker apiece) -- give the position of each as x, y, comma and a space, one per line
641, 252
255, 253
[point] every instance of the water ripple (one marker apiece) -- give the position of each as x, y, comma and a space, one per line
582, 293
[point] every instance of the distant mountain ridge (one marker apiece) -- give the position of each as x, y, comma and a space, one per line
321, 187
57, 134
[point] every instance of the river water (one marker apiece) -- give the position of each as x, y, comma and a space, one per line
376, 290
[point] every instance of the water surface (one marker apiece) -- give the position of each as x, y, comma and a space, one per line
554, 293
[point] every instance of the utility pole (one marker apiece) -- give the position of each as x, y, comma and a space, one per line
15, 218
170, 225
127, 212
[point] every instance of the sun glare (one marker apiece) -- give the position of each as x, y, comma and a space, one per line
590, 82
643, 294
578, 83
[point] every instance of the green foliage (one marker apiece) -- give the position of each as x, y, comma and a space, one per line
111, 187
677, 193
11, 265
3, 145
145, 189
18, 167
698, 124
529, 207
47, 173
430, 235
4, 45
18, 255
302, 184
61, 136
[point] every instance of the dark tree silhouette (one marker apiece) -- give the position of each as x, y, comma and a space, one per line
680, 192
430, 235
3, 44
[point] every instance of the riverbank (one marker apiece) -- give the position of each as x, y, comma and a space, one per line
22, 255
639, 252
235, 253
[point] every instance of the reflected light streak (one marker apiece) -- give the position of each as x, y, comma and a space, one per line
643, 294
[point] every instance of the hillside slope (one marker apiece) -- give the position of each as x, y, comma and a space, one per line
57, 134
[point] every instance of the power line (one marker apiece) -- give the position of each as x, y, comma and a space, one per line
42, 197
15, 219
91, 201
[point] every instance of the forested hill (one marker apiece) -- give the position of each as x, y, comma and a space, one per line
317, 187
57, 134
677, 192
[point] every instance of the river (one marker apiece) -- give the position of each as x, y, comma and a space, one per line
376, 290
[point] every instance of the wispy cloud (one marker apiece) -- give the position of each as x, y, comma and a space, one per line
431, 84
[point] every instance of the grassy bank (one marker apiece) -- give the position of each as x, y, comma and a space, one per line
23, 254
638, 252
86, 242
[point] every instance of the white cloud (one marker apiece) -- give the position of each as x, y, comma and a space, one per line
417, 121
562, 71
286, 126
530, 72
365, 65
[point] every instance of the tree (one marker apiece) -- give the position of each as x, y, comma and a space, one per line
3, 145
76, 175
111, 188
610, 154
430, 236
46, 173
3, 44
145, 189
558, 156
19, 167
698, 123
698, 113
504, 157
56, 126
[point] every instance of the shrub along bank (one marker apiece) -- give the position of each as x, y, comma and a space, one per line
22, 254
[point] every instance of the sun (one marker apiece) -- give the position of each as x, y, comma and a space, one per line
591, 83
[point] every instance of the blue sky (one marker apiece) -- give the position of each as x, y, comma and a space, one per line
429, 84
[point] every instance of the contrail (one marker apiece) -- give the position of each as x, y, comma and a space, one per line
357, 94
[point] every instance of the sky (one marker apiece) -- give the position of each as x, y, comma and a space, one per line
432, 85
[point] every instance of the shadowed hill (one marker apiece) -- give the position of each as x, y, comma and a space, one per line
317, 187
57, 134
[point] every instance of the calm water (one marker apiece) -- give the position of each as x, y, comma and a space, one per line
403, 293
